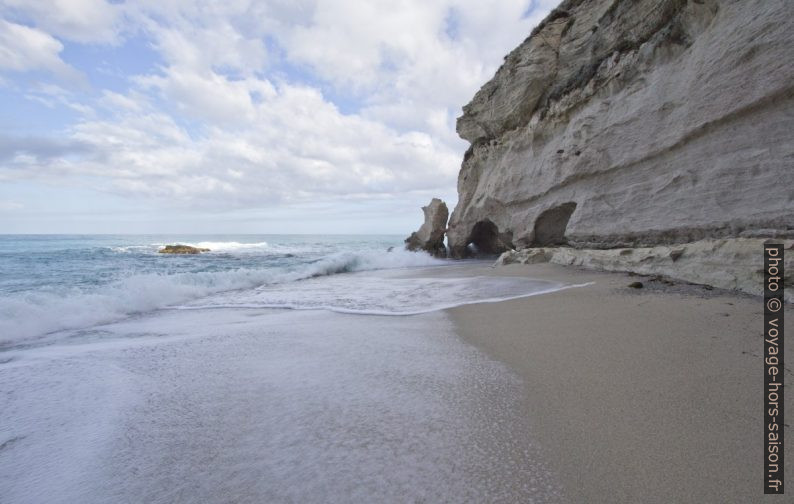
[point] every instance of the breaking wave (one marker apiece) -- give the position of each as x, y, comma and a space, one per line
36, 313
213, 246
232, 246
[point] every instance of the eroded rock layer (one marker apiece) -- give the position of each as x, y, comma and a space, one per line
634, 123
729, 263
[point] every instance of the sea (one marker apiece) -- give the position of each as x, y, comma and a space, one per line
273, 368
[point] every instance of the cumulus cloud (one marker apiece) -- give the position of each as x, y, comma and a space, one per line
24, 49
254, 103
293, 147
78, 20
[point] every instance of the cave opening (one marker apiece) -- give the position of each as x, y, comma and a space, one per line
551, 224
485, 239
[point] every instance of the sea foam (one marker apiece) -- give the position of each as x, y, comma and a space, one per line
31, 314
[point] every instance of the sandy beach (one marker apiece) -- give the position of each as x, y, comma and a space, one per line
595, 393
253, 405
637, 395
346, 252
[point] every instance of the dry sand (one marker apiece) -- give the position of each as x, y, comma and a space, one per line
638, 395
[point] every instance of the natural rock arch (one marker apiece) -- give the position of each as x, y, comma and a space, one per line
551, 224
486, 238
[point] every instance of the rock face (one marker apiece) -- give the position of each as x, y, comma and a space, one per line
526, 256
430, 236
182, 249
733, 263
634, 123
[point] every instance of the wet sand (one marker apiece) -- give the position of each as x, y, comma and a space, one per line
594, 394
260, 405
637, 395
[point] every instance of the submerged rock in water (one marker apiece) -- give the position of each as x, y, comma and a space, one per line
182, 249
430, 236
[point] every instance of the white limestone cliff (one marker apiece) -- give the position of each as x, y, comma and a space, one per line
638, 123
726, 263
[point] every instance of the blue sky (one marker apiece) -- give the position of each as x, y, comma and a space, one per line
240, 116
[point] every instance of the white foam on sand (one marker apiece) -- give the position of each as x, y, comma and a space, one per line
252, 406
380, 293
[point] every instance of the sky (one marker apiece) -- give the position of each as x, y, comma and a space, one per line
240, 116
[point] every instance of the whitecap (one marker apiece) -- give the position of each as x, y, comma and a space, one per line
231, 246
35, 313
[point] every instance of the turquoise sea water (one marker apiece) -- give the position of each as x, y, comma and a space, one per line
52, 262
54, 282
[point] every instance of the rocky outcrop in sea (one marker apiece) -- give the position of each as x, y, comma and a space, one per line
430, 236
182, 249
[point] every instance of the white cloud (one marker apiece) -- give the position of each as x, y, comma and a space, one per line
52, 96
113, 101
77, 20
293, 147
24, 49
234, 114
404, 49
10, 205
219, 45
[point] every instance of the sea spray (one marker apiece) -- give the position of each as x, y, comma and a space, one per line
35, 312
62, 288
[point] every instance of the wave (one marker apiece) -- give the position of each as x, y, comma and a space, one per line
37, 313
135, 248
232, 246
429, 304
